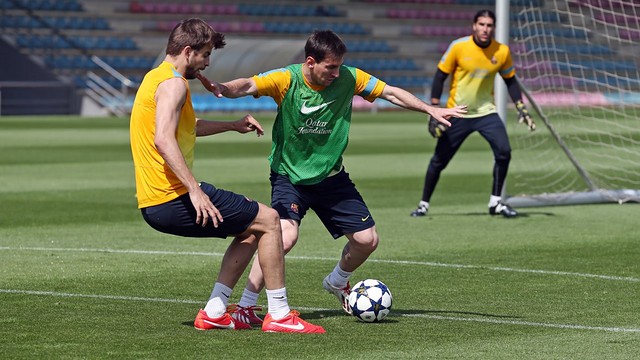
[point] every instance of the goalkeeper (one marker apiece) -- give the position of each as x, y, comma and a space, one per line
474, 61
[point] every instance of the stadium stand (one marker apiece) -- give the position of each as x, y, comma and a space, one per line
399, 41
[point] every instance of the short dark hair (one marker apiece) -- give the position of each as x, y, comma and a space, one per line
323, 43
485, 13
193, 32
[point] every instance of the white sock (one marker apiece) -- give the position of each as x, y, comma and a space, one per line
278, 303
339, 277
221, 291
215, 307
424, 204
249, 298
493, 200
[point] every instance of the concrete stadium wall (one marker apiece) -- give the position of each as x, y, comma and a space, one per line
27, 88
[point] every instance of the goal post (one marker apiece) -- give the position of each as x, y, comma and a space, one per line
579, 70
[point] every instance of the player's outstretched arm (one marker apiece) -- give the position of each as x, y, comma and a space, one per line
230, 89
244, 125
405, 99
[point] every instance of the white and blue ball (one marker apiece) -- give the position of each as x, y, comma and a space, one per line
370, 300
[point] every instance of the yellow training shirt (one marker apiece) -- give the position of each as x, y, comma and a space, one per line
275, 84
155, 181
474, 70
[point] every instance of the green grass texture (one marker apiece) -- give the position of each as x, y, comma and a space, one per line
82, 276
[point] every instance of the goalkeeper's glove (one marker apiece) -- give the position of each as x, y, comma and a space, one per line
436, 128
523, 115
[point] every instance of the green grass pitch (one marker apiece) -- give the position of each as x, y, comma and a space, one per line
82, 275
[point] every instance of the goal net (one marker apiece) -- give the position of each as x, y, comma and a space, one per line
579, 66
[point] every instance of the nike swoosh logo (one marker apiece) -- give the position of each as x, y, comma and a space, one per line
306, 110
297, 326
365, 218
231, 325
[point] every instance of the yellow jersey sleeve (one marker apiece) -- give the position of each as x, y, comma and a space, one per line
274, 83
508, 71
368, 86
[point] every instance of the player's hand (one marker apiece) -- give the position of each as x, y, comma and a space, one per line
442, 115
248, 124
213, 87
436, 129
524, 117
205, 210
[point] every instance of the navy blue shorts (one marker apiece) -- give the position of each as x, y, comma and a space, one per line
178, 216
335, 200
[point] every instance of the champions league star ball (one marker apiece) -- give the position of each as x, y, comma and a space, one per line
370, 300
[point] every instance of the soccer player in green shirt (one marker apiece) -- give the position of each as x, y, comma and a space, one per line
310, 135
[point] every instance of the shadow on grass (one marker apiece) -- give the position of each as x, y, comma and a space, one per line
521, 214
393, 316
413, 312
396, 313
322, 314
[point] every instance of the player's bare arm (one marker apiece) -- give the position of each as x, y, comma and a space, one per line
231, 89
247, 124
170, 96
405, 99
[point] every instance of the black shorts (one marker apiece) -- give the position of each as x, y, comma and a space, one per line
178, 216
335, 200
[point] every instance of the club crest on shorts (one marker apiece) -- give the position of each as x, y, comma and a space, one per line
295, 207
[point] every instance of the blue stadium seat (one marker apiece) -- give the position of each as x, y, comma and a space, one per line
611, 66
546, 16
547, 31
591, 49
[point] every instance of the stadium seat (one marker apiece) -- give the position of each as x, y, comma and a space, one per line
546, 16
548, 31
573, 49
602, 4
547, 81
610, 66
633, 35
429, 14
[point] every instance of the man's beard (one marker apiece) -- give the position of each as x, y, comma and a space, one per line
190, 74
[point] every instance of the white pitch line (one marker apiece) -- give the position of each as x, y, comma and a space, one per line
399, 262
95, 296
526, 323
426, 316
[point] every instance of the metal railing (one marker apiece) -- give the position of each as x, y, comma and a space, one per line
114, 100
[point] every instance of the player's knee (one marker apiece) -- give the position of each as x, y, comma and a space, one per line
503, 157
288, 243
289, 234
437, 164
268, 219
366, 240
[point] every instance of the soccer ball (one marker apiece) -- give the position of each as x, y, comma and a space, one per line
370, 300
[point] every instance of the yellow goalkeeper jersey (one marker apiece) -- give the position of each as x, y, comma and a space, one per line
156, 183
474, 70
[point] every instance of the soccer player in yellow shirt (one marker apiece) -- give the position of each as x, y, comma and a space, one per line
474, 61
163, 131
